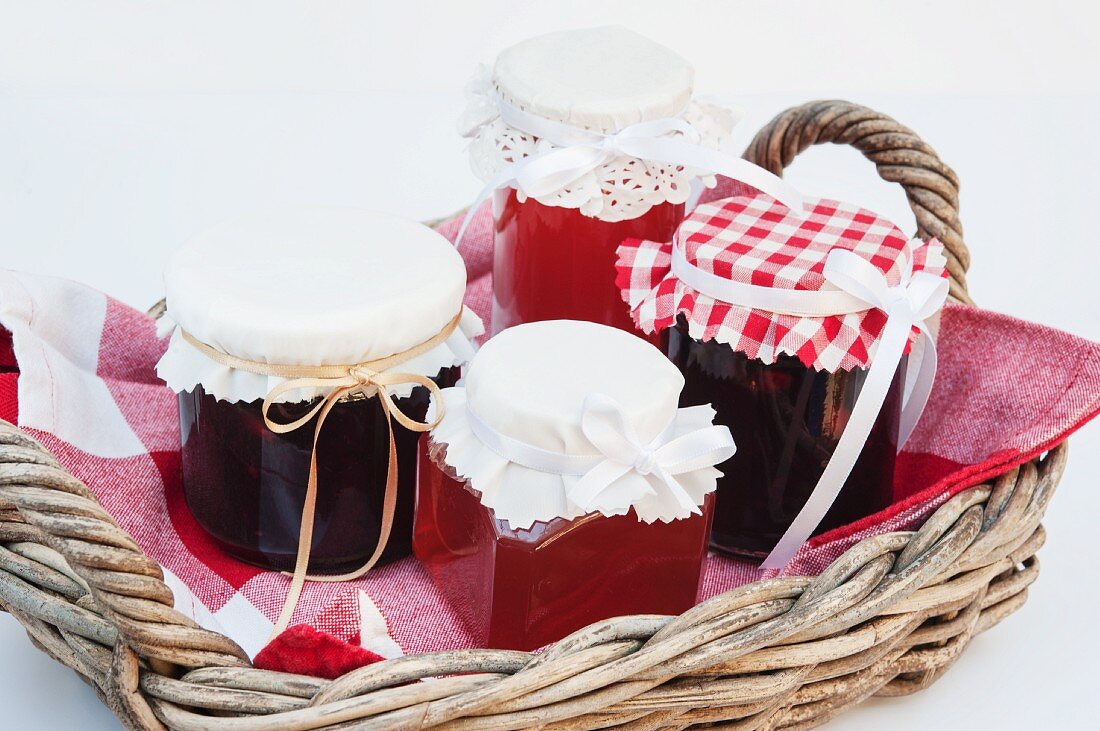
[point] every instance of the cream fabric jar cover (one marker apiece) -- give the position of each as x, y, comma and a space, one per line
599, 79
556, 386
312, 286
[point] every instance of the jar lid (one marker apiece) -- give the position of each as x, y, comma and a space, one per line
311, 287
529, 423
730, 259
579, 88
596, 78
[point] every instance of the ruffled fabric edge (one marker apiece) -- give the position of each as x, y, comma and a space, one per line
183, 367
612, 192
656, 298
523, 496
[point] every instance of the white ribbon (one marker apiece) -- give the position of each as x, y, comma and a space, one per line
577, 151
619, 451
859, 286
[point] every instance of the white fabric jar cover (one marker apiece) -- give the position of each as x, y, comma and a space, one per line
312, 287
603, 80
558, 419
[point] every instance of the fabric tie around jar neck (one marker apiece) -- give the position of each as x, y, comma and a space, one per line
576, 151
371, 379
620, 450
860, 286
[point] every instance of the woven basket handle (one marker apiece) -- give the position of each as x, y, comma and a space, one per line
899, 154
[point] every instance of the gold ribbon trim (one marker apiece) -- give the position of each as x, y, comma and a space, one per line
368, 378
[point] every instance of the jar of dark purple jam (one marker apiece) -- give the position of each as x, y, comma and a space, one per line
793, 325
245, 485
786, 419
301, 308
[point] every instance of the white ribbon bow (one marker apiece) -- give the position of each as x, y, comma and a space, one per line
609, 431
620, 451
577, 151
859, 286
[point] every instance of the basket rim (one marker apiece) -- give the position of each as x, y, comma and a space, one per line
871, 621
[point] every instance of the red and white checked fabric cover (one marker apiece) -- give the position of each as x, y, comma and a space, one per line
752, 239
79, 377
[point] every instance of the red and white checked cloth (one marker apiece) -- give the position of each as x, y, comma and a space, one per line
1007, 390
755, 240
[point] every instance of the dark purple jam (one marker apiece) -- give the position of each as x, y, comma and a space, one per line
246, 485
7, 353
786, 419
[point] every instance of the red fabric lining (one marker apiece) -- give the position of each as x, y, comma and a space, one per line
9, 401
1005, 386
305, 651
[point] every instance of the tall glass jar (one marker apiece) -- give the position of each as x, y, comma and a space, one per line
777, 318
560, 218
546, 501
308, 300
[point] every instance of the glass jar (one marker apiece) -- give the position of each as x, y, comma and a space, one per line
299, 308
555, 577
780, 319
554, 263
786, 419
245, 484
540, 508
561, 217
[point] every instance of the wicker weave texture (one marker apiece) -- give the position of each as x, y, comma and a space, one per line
887, 618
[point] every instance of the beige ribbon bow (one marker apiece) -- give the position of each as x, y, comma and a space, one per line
370, 379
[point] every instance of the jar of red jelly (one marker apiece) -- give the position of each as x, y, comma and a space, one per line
309, 302
557, 129
795, 326
563, 485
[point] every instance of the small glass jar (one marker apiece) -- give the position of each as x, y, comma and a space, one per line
556, 576
307, 288
781, 344
518, 558
555, 241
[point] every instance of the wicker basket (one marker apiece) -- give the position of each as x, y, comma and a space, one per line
887, 618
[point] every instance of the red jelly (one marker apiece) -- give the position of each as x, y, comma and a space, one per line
522, 589
555, 263
786, 419
246, 485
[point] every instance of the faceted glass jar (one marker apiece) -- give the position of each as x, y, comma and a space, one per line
246, 485
522, 589
554, 263
786, 420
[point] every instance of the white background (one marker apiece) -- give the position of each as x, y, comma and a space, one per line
126, 126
